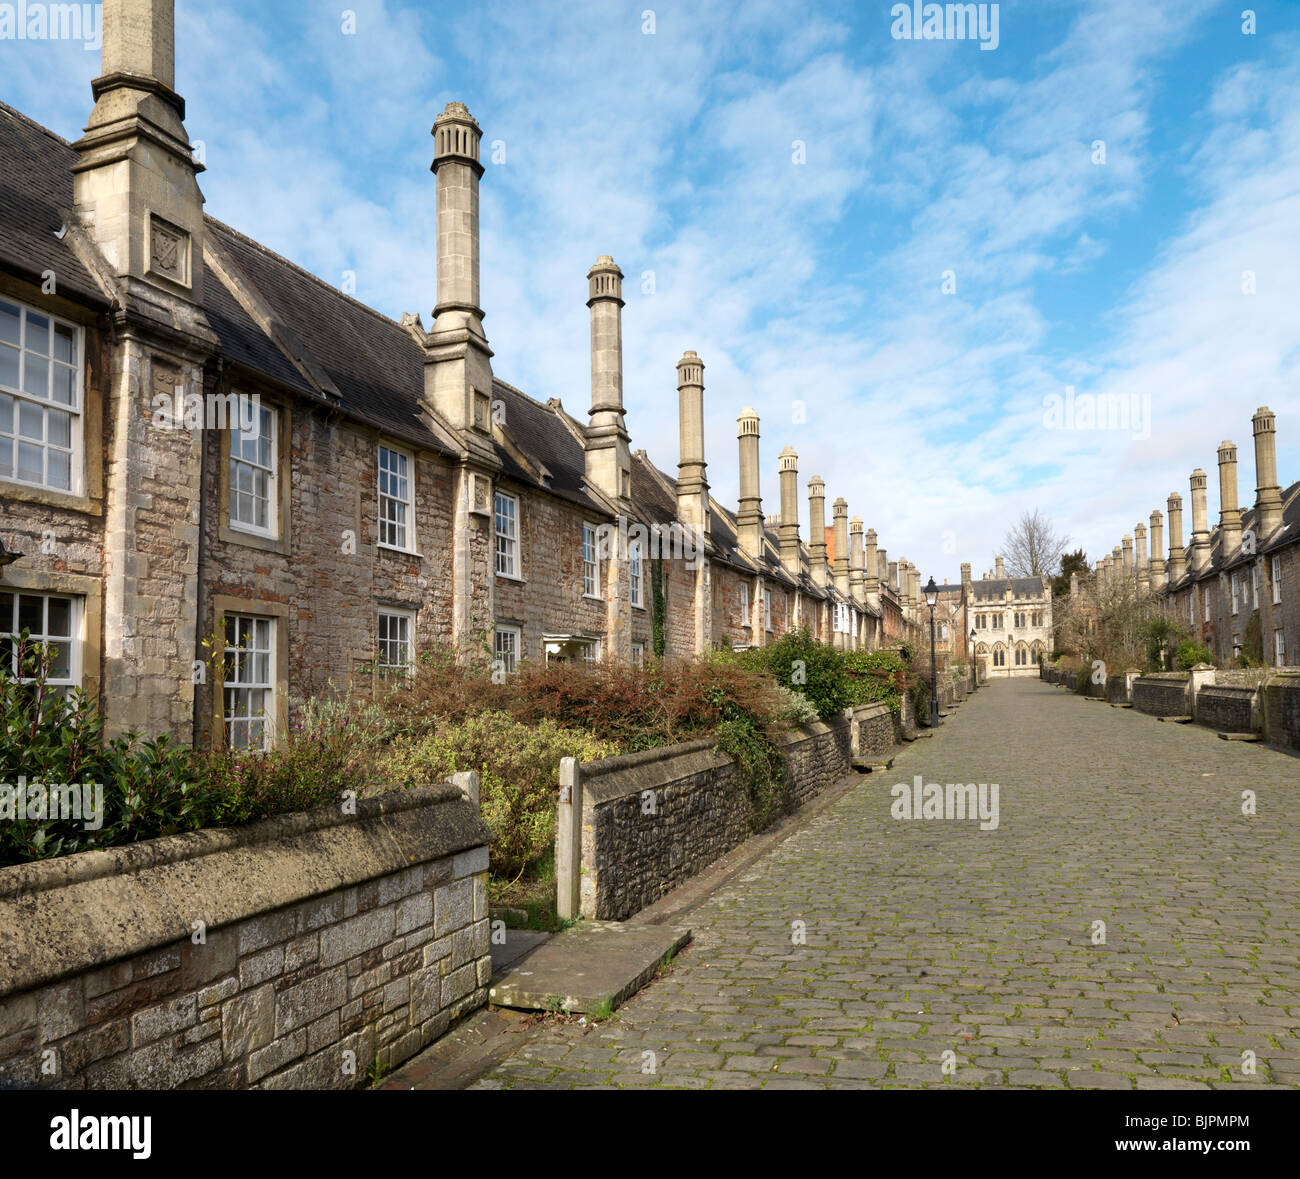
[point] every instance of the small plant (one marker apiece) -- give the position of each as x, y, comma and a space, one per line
603, 1010
1190, 653
377, 1071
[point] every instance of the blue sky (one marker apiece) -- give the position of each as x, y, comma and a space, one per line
818, 282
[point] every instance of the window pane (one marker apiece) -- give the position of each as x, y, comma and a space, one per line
60, 623
6, 415
31, 421
31, 614
63, 344
38, 334
59, 474
65, 385
8, 367
58, 428
30, 464
36, 376
9, 317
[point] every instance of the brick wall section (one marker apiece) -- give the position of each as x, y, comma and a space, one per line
307, 995
1226, 709
1282, 711
1161, 695
652, 820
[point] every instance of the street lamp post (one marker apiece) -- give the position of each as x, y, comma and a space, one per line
1011, 652
932, 600
974, 671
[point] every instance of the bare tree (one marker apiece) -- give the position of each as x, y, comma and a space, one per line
1033, 546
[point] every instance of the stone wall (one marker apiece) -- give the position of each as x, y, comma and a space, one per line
1281, 707
1165, 694
654, 819
1227, 708
297, 952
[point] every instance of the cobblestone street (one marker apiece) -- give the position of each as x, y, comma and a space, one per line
929, 937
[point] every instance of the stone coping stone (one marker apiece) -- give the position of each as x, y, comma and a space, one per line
62, 916
587, 964
518, 944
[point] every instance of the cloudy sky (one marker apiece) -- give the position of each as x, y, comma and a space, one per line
897, 250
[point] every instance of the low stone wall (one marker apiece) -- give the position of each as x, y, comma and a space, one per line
292, 953
1227, 709
654, 819
1163, 694
1281, 709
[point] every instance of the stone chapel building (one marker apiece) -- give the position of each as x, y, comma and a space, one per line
211, 459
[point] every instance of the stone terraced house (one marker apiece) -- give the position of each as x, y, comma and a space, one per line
1247, 566
205, 450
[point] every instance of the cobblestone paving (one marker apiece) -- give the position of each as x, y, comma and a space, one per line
930, 937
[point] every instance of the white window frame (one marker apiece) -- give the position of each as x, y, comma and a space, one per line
1254, 586
402, 521
591, 651
638, 653
506, 543
1279, 647
1275, 568
767, 608
11, 439
745, 619
591, 562
510, 651
636, 580
271, 529
1206, 591
10, 630
1235, 592
406, 621
229, 719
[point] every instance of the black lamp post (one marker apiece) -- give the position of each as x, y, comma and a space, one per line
974, 671
932, 600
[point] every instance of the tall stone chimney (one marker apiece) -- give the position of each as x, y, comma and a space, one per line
1268, 495
749, 519
458, 361
840, 510
1229, 511
871, 560
1128, 554
692, 484
608, 455
817, 531
1177, 554
1157, 551
1200, 554
135, 183
1141, 568
1000, 567
788, 466
893, 581
857, 571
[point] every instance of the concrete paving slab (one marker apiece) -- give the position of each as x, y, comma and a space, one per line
584, 966
518, 943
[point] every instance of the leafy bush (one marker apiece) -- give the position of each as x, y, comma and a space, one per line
517, 764
799, 709
1190, 653
126, 789
812, 668
876, 676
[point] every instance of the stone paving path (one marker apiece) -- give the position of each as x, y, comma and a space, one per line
929, 937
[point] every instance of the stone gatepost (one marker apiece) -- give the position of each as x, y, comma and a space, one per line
568, 842
1202, 675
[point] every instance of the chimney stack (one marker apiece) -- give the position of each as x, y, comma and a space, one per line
692, 484
857, 570
1128, 554
608, 457
1001, 568
1142, 569
788, 464
893, 581
458, 368
1200, 554
1157, 551
135, 183
749, 519
1229, 511
1177, 554
1268, 495
871, 560
817, 531
841, 544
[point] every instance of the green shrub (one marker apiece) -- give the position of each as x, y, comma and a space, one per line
812, 668
137, 789
517, 764
799, 709
1190, 653
759, 764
